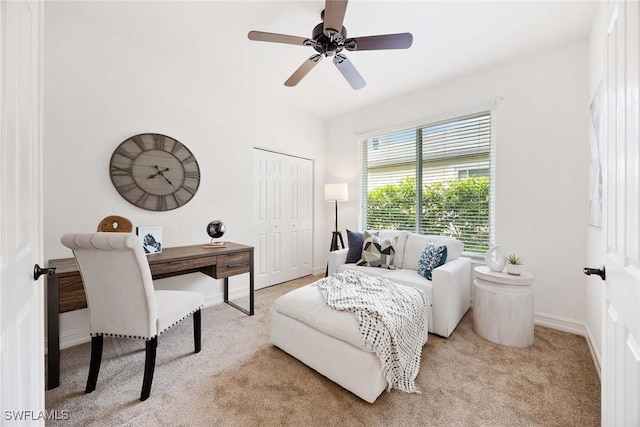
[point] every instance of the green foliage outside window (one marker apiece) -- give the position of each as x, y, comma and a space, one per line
457, 208
392, 206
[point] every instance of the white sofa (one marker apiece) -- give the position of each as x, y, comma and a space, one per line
450, 288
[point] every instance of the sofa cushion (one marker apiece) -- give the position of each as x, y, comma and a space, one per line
410, 278
432, 256
416, 243
377, 252
307, 305
371, 271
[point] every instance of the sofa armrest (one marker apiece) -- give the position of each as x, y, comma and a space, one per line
451, 294
336, 258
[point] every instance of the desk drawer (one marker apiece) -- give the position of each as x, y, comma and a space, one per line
232, 264
181, 265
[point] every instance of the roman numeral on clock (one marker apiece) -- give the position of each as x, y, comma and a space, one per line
125, 153
126, 188
116, 170
159, 140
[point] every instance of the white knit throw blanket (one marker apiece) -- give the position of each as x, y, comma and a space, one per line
392, 320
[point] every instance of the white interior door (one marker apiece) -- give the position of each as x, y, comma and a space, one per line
269, 201
283, 217
21, 298
621, 211
261, 224
302, 215
278, 222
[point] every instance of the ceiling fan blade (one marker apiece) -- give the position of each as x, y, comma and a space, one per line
334, 16
349, 71
261, 36
386, 41
303, 70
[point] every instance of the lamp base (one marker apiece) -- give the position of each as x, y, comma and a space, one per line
337, 235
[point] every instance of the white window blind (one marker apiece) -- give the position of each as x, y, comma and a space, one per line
432, 179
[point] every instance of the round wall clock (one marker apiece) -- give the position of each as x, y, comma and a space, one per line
154, 172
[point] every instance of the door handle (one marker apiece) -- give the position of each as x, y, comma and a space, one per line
599, 271
39, 271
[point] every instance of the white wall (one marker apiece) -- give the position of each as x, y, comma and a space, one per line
102, 86
541, 169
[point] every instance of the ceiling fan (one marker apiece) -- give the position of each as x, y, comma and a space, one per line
329, 38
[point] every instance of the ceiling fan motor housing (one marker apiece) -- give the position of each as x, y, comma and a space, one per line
325, 44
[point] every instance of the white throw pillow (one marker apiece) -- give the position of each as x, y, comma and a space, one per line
416, 243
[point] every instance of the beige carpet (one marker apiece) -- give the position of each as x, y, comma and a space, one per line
240, 379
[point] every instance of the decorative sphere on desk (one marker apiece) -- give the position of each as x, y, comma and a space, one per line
216, 229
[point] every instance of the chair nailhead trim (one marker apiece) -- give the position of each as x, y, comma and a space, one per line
106, 334
180, 320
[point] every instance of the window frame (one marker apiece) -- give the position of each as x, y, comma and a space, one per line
417, 126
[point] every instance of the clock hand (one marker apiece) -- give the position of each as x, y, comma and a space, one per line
158, 173
167, 179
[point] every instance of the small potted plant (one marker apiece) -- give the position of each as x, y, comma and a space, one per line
514, 264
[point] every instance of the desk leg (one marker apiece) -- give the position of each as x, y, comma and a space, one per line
251, 292
251, 284
53, 333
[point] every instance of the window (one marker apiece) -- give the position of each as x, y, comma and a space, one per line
432, 179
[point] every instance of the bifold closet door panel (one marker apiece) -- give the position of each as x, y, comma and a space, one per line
283, 187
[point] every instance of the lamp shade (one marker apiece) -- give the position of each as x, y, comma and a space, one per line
336, 192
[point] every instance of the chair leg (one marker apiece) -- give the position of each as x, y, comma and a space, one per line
149, 366
197, 336
94, 367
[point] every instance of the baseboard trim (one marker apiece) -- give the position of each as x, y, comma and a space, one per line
593, 349
79, 336
72, 338
574, 327
560, 323
319, 271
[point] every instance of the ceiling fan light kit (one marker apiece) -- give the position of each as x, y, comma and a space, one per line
328, 41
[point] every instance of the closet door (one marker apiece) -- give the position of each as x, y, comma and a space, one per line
300, 181
269, 184
282, 212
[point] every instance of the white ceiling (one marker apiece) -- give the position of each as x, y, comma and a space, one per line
451, 38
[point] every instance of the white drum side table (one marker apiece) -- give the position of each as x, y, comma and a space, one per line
503, 307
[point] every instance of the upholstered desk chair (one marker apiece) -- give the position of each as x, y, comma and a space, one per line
122, 301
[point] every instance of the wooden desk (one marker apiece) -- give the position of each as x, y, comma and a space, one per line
65, 291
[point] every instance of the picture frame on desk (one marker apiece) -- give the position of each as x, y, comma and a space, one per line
150, 238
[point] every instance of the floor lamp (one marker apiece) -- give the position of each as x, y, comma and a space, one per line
336, 193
